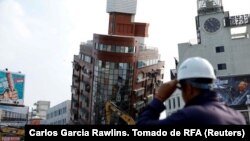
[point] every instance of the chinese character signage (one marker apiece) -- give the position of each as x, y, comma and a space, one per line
237, 20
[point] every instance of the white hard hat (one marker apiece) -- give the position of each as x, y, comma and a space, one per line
195, 67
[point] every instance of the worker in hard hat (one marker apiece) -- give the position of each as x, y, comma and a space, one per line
195, 77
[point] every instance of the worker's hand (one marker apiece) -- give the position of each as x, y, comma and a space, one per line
166, 90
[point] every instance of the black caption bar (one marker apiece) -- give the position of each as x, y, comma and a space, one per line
80, 131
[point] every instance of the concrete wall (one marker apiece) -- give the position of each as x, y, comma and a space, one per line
122, 6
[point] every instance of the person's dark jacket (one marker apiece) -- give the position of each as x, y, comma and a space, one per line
204, 109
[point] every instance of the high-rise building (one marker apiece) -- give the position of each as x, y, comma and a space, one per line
82, 84
224, 41
117, 67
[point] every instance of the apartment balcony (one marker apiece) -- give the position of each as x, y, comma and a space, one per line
139, 105
75, 97
139, 92
142, 80
147, 48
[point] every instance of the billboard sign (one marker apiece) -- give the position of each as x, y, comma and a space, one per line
234, 90
13, 115
11, 88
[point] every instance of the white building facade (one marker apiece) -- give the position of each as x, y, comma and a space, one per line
224, 41
41, 109
59, 114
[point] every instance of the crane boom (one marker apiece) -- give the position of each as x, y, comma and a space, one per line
111, 107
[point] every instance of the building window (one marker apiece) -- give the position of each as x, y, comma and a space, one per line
178, 102
239, 32
64, 110
222, 66
111, 82
169, 104
145, 63
219, 49
115, 48
174, 103
87, 59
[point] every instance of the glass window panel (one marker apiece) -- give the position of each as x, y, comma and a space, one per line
131, 49
111, 65
101, 75
113, 49
111, 76
111, 71
124, 72
174, 103
122, 49
109, 48
116, 71
96, 45
115, 77
106, 76
103, 70
169, 104
110, 82
100, 63
106, 82
110, 87
120, 73
124, 76
107, 65
178, 101
101, 47
116, 65
110, 92
120, 65
104, 47
118, 49
125, 66
103, 64
126, 49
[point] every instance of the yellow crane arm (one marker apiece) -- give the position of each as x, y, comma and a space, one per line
111, 107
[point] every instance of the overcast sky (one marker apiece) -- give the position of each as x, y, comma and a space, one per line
40, 37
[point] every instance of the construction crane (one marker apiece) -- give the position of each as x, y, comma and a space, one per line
110, 108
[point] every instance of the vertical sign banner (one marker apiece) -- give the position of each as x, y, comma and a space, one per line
11, 88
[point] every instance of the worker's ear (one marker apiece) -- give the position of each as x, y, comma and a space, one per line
193, 92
